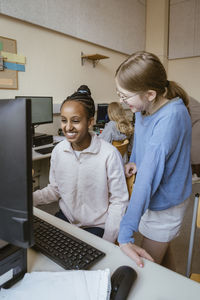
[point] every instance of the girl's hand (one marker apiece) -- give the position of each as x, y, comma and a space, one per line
136, 253
130, 169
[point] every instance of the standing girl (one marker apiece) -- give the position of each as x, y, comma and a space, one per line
160, 157
86, 174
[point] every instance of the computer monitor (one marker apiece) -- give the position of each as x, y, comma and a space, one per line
16, 208
42, 109
102, 114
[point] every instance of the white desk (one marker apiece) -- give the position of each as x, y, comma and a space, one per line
41, 166
38, 156
41, 163
153, 283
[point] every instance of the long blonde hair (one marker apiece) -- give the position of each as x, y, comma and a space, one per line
116, 113
143, 71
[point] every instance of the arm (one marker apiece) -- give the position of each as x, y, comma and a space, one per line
147, 181
118, 196
143, 189
50, 193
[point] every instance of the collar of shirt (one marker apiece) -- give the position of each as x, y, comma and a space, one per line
93, 148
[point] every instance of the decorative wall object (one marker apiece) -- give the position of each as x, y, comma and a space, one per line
10, 63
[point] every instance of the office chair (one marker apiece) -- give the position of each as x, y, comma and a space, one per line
195, 223
122, 146
130, 182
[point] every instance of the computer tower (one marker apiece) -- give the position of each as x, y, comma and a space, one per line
13, 265
42, 139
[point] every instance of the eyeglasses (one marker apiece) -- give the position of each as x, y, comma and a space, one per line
124, 98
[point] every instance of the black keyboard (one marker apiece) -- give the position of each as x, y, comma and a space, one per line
66, 250
45, 150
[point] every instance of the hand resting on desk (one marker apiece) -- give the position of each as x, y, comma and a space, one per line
136, 253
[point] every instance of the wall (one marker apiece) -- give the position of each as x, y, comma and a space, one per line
157, 28
184, 25
115, 24
54, 67
185, 71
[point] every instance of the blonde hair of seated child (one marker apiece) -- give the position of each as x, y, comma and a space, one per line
117, 114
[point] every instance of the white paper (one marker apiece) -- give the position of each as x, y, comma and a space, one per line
72, 285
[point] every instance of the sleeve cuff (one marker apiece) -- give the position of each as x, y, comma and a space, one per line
125, 236
123, 241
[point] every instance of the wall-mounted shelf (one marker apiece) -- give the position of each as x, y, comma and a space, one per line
92, 57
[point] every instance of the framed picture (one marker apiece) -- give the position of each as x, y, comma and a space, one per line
8, 78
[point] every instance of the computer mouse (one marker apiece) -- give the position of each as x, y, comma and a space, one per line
121, 282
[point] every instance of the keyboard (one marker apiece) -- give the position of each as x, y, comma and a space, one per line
45, 150
66, 250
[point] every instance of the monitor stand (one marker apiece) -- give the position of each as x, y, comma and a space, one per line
36, 134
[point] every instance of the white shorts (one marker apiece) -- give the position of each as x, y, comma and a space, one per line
163, 225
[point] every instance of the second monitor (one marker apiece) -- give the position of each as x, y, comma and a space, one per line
102, 113
42, 113
102, 117
42, 109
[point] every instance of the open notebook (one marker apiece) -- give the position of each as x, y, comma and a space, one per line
73, 285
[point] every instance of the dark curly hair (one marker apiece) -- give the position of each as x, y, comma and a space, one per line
83, 95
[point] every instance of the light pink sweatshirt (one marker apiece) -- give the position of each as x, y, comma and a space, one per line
91, 189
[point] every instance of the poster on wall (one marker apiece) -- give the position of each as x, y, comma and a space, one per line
10, 63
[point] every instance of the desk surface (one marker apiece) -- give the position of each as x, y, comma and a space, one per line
153, 283
38, 156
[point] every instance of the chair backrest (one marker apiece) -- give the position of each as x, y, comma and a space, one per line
122, 146
130, 182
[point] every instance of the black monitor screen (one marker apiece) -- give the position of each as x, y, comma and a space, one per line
102, 114
42, 109
16, 208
